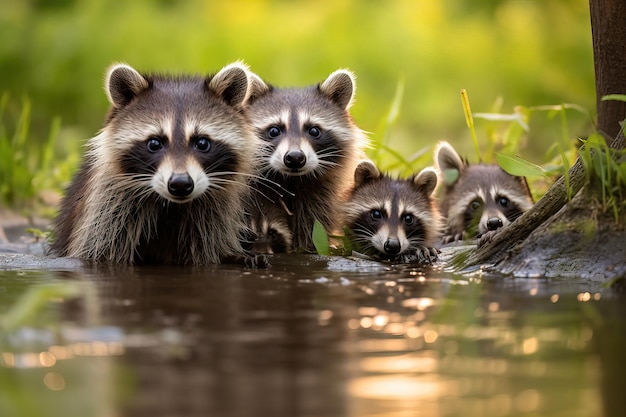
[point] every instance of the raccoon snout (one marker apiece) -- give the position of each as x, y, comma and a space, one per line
180, 185
295, 159
392, 246
494, 223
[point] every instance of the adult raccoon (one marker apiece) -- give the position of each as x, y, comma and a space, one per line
165, 180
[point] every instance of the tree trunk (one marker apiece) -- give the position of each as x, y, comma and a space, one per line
608, 29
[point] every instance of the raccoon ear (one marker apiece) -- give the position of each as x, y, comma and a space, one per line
231, 83
339, 87
257, 87
123, 83
426, 181
448, 162
365, 172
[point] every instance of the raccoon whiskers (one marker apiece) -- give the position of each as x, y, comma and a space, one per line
133, 181
364, 243
325, 166
273, 185
416, 243
330, 153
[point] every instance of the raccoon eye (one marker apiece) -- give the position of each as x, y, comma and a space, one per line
376, 214
202, 144
273, 132
154, 144
315, 132
475, 205
408, 219
503, 201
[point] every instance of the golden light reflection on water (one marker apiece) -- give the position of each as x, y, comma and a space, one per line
54, 381
49, 358
419, 303
421, 362
470, 366
400, 387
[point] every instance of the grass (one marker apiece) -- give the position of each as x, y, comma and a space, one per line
606, 172
30, 169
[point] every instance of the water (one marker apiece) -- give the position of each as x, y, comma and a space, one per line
309, 337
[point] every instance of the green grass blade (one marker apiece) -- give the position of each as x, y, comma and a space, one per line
615, 97
388, 122
566, 167
470, 121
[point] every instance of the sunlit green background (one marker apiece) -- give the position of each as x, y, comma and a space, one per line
504, 52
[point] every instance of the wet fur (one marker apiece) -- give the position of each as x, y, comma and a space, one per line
472, 194
114, 210
314, 194
393, 200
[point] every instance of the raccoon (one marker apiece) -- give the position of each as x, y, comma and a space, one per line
480, 199
394, 219
165, 179
311, 147
269, 229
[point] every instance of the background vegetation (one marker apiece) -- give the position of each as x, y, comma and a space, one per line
412, 57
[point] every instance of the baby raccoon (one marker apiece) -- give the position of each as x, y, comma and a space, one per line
394, 219
166, 179
311, 146
478, 199
269, 228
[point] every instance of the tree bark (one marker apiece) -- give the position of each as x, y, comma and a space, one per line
608, 29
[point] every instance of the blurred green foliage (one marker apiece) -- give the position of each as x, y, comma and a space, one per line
504, 52
32, 169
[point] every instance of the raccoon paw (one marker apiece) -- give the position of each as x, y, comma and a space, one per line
249, 260
486, 238
451, 238
422, 255
428, 255
255, 261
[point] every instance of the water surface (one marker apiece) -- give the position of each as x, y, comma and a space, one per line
311, 336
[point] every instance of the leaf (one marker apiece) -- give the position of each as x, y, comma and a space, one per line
320, 239
616, 97
450, 176
515, 165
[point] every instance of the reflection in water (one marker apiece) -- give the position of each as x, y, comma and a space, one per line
309, 338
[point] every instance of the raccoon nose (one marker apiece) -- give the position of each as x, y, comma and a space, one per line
392, 247
494, 223
295, 159
180, 185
